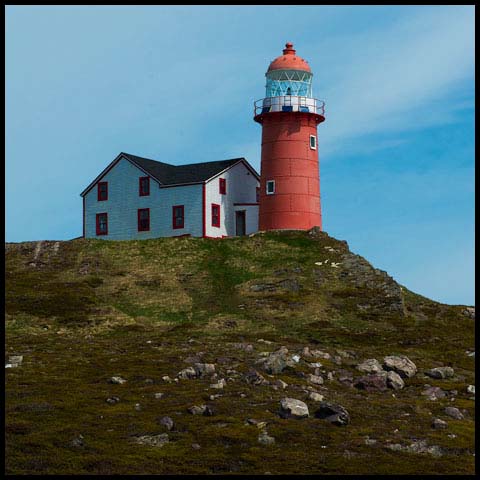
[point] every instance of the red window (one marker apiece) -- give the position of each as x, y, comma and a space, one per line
102, 192
178, 216
223, 186
144, 186
143, 219
215, 215
258, 194
102, 224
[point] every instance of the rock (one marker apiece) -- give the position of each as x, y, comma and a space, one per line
220, 384
371, 383
15, 360
396, 447
214, 397
454, 413
394, 380
315, 365
77, 441
438, 424
197, 410
196, 446
370, 441
315, 379
153, 440
316, 397
306, 353
434, 393
209, 411
158, 395
167, 422
254, 378
187, 373
265, 439
320, 354
296, 358
330, 376
277, 361
471, 389
440, 372
337, 360
138, 407
167, 379
372, 365
421, 446
470, 312
293, 408
112, 400
116, 380
333, 413
401, 365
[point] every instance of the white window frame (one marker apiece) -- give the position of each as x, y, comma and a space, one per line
315, 142
272, 182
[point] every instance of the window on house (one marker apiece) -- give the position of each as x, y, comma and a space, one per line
270, 187
144, 186
102, 192
223, 186
143, 219
215, 215
178, 216
313, 142
258, 194
102, 224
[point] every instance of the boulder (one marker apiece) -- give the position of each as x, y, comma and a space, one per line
197, 410
333, 413
371, 383
372, 365
153, 440
293, 408
394, 380
220, 384
471, 389
434, 393
439, 424
315, 397
167, 422
454, 413
187, 373
440, 372
203, 369
277, 361
315, 379
116, 380
112, 400
401, 365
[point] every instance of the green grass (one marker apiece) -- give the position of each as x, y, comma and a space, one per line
86, 312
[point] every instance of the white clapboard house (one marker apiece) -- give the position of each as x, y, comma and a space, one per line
138, 198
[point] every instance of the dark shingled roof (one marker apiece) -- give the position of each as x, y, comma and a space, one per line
168, 174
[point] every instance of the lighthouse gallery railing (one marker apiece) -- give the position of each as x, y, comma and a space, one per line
289, 103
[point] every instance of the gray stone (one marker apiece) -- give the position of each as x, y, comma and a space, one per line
421, 446
470, 312
394, 380
371, 365
265, 439
158, 395
153, 440
434, 393
438, 424
187, 373
471, 389
293, 408
219, 385
167, 379
138, 407
77, 441
280, 384
454, 413
333, 413
196, 446
401, 365
371, 383
167, 422
440, 372
116, 380
316, 397
315, 379
204, 369
277, 361
112, 400
15, 360
197, 410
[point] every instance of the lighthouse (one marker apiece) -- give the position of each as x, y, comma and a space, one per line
289, 176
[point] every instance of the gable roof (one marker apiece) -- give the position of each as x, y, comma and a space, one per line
168, 175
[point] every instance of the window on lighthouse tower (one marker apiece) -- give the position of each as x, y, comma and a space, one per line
270, 187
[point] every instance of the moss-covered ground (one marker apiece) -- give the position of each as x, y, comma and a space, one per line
84, 310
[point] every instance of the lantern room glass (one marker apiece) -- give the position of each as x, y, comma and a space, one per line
289, 82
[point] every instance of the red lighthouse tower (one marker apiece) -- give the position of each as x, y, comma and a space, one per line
289, 115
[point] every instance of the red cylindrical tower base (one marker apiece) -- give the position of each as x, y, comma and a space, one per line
290, 161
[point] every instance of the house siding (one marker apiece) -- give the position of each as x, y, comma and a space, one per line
241, 188
124, 201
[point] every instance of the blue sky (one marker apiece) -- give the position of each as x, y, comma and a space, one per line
177, 84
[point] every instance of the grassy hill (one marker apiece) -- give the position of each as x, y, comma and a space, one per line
82, 311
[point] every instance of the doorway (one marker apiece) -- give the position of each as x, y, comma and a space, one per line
240, 224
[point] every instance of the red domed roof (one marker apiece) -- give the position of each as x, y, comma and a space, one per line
289, 61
